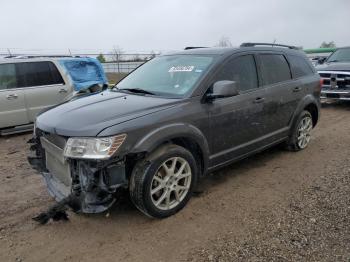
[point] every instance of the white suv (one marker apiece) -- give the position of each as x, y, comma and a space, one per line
29, 86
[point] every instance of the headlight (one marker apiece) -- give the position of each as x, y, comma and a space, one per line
93, 148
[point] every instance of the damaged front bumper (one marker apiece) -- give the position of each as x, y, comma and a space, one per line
94, 183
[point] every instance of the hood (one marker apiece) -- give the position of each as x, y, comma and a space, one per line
88, 116
334, 66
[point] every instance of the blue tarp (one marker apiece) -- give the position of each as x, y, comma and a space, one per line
84, 72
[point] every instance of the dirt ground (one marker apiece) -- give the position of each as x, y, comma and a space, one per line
275, 206
114, 78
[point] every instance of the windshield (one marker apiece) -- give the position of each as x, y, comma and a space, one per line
173, 75
340, 55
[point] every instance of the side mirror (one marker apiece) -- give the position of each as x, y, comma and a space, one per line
321, 60
222, 89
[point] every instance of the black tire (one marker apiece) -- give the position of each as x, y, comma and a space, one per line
142, 178
292, 143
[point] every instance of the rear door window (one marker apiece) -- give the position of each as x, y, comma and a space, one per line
8, 76
274, 68
299, 66
241, 70
38, 74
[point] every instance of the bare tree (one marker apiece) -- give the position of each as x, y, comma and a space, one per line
153, 55
224, 42
116, 54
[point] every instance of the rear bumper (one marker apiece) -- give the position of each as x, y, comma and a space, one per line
93, 183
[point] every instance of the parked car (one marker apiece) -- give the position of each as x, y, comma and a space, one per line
335, 72
173, 120
31, 85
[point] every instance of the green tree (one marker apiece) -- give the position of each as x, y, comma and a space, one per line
101, 58
330, 44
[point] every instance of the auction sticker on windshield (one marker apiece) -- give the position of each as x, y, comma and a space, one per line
181, 69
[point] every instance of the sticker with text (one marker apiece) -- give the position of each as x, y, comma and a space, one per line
181, 69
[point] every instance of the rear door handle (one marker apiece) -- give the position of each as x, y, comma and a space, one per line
296, 89
259, 100
12, 96
62, 90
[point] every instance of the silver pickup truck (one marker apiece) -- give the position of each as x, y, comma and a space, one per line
335, 73
31, 85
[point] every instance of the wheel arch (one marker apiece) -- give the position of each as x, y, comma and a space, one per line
310, 104
185, 135
313, 110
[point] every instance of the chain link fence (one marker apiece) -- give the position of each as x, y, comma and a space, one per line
112, 62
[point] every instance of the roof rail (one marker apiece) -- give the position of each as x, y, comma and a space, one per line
38, 56
193, 47
267, 44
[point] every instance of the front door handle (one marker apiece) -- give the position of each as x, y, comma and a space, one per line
12, 96
62, 90
259, 100
296, 89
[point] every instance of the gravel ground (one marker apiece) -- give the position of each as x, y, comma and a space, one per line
315, 226
275, 206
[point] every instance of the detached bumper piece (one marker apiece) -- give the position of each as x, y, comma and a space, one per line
86, 186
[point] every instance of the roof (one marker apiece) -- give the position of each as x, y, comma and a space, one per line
344, 47
36, 59
205, 51
231, 50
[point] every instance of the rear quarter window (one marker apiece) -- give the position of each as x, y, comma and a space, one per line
38, 74
274, 68
299, 66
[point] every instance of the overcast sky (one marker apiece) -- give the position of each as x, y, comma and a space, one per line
142, 26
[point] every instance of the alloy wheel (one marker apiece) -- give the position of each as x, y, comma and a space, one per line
171, 183
304, 131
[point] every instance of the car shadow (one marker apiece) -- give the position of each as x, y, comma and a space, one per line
124, 205
10, 136
231, 171
336, 104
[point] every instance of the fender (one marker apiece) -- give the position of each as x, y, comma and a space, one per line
165, 133
307, 100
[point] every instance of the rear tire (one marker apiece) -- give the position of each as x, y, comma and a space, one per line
300, 136
162, 183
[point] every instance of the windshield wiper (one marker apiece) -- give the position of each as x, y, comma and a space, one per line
332, 61
137, 90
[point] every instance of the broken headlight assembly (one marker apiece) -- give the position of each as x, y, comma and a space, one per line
93, 147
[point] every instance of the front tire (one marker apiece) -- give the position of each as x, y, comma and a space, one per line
300, 137
162, 183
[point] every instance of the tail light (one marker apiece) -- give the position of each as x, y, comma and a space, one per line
319, 88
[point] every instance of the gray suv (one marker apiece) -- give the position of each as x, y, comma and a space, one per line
173, 120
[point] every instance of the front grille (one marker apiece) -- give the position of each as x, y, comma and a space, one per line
57, 140
55, 162
335, 80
